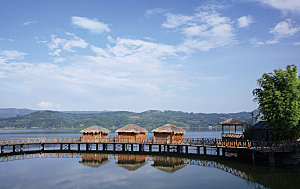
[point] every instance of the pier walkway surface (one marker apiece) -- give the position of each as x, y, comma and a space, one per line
195, 146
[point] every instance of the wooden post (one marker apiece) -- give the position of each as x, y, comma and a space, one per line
60, 147
168, 148
78, 147
14, 148
114, 147
123, 147
21, 148
131, 147
104, 147
69, 146
178, 149
2, 149
140, 148
150, 148
198, 150
86, 147
159, 148
97, 145
223, 152
42, 147
186, 149
218, 151
204, 150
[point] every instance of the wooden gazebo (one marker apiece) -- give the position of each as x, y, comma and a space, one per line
232, 122
168, 133
94, 134
131, 133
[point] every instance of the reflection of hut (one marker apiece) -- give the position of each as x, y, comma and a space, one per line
261, 131
94, 160
131, 162
232, 122
94, 134
168, 134
131, 133
168, 164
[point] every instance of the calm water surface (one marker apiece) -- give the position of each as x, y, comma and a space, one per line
96, 170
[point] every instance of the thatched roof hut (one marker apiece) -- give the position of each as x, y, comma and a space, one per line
232, 121
94, 130
169, 128
132, 128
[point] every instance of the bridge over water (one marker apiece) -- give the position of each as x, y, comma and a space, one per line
193, 146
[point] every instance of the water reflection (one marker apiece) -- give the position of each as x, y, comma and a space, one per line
168, 164
191, 169
93, 160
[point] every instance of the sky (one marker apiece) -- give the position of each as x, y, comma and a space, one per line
138, 55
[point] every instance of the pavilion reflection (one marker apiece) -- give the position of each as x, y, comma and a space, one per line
131, 162
168, 164
93, 160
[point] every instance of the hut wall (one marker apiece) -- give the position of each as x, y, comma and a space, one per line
131, 137
166, 137
91, 137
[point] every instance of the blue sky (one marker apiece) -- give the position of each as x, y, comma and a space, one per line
193, 56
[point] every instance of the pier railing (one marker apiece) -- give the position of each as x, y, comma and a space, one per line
205, 142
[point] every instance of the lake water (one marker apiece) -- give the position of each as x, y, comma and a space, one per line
98, 170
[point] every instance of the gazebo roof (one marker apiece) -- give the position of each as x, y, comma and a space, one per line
232, 121
169, 128
131, 128
95, 129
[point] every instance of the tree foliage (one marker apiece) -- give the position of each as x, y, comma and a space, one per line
278, 96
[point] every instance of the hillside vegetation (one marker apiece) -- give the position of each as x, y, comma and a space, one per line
113, 120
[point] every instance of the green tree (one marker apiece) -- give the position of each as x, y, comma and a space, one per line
278, 97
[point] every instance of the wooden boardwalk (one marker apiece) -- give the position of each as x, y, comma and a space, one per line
18, 145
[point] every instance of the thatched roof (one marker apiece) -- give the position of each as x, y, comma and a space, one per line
131, 128
93, 163
131, 166
169, 128
232, 121
95, 129
169, 169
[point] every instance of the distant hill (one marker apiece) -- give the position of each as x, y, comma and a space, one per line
113, 120
14, 112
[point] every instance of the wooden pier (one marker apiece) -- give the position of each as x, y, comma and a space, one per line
194, 146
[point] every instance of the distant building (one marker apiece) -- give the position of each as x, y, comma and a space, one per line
131, 133
261, 131
94, 134
168, 134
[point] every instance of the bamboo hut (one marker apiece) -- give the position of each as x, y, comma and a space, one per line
131, 162
131, 133
94, 134
93, 160
232, 122
168, 134
168, 164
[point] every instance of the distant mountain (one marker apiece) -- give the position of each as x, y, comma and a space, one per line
113, 120
14, 112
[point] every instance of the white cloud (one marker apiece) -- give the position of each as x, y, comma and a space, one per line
154, 11
283, 5
45, 105
29, 23
92, 25
11, 55
245, 21
296, 43
284, 29
99, 51
57, 45
59, 59
204, 30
